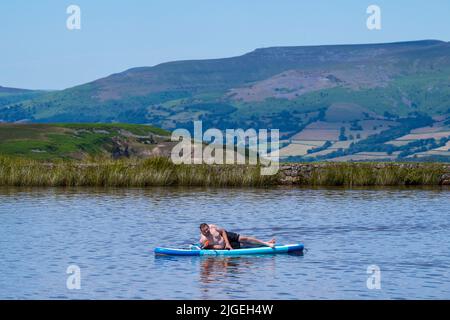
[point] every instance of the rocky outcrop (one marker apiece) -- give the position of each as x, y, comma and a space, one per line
120, 148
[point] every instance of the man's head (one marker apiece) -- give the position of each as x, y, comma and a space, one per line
204, 229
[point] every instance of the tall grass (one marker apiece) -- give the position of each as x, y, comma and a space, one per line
97, 171
376, 174
126, 173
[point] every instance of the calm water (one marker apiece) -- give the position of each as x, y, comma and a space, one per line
110, 235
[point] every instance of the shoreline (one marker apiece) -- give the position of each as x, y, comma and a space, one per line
162, 172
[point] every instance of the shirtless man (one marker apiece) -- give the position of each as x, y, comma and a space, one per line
214, 237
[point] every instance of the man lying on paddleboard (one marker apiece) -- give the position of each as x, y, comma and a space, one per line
214, 237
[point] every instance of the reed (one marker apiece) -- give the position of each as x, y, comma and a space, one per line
376, 174
126, 173
99, 171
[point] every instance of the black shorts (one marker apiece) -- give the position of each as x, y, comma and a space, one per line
234, 239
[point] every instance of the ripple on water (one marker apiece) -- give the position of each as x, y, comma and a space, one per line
110, 234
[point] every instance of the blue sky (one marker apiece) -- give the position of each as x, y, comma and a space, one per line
39, 52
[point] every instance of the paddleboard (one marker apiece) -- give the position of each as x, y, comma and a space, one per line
288, 248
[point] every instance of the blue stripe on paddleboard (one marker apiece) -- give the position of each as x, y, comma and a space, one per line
235, 252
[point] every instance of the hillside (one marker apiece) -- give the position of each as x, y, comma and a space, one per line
10, 104
332, 101
414, 138
265, 87
77, 141
4, 91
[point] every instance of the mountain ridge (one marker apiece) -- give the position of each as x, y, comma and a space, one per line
303, 79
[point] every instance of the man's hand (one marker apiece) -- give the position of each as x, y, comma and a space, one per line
223, 233
205, 244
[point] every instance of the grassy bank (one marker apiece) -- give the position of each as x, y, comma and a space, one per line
162, 172
374, 174
126, 173
49, 142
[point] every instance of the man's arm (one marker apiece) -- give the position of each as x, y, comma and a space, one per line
205, 245
223, 233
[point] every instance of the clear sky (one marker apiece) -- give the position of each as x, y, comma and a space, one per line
37, 51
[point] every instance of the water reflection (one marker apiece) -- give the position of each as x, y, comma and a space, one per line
225, 273
218, 269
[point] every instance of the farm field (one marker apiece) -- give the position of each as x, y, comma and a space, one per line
367, 156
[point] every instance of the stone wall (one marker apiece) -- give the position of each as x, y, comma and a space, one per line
302, 173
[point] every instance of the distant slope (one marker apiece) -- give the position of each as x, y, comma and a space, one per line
12, 91
11, 108
280, 87
76, 141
